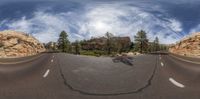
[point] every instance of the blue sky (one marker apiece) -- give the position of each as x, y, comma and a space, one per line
83, 19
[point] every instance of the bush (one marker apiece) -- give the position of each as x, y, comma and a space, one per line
99, 53
89, 53
96, 53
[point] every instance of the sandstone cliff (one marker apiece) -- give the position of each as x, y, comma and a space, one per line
189, 46
18, 44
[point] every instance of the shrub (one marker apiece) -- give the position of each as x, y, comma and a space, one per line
89, 53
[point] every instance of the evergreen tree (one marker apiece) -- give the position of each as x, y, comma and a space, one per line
109, 42
141, 41
151, 47
63, 42
70, 48
77, 47
156, 46
132, 46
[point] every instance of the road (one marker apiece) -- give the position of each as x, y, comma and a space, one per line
65, 76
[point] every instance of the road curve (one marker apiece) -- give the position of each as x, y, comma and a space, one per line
61, 76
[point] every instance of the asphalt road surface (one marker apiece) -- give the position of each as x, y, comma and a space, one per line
64, 76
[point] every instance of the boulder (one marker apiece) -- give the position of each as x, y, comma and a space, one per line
18, 44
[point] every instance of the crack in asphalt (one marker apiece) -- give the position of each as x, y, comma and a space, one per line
149, 82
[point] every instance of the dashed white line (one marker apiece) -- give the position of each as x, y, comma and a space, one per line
52, 60
162, 64
176, 83
160, 58
46, 73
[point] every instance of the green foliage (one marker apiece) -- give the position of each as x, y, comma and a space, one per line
63, 42
51, 46
99, 52
156, 44
77, 47
96, 53
122, 47
163, 47
89, 53
131, 46
70, 48
141, 41
109, 42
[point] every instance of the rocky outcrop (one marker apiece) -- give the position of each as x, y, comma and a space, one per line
100, 43
18, 44
189, 46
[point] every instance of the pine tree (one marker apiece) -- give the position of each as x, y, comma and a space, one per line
77, 47
63, 42
156, 44
131, 46
109, 42
141, 41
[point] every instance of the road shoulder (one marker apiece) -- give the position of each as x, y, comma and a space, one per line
186, 59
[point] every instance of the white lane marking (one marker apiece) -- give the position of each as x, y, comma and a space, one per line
160, 57
52, 60
176, 83
53, 56
162, 64
46, 73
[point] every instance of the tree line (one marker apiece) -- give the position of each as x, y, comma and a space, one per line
140, 44
143, 45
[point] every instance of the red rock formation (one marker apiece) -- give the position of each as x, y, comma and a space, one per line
100, 43
189, 46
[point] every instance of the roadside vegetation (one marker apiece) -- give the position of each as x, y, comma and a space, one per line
108, 45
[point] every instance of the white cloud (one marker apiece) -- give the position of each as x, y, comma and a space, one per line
44, 26
175, 25
21, 25
118, 18
126, 21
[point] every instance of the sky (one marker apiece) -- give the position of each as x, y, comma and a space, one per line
170, 20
